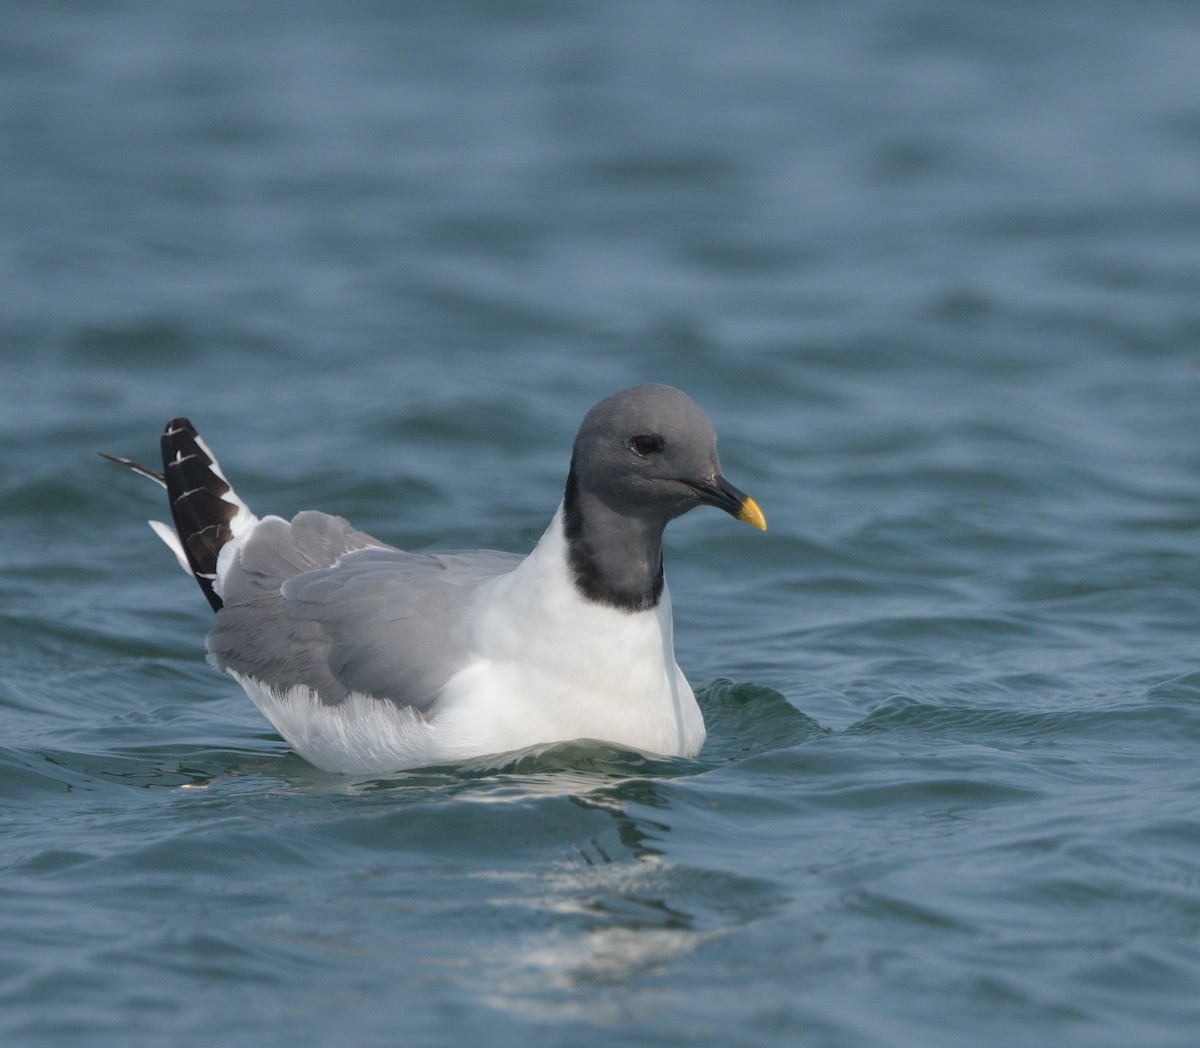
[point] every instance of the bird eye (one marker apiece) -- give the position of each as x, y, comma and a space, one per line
646, 444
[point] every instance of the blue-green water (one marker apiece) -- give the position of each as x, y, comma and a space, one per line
934, 270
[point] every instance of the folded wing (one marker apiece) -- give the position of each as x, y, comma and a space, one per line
314, 603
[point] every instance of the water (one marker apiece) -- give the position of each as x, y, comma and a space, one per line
932, 267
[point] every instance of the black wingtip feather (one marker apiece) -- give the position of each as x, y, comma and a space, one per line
136, 467
195, 491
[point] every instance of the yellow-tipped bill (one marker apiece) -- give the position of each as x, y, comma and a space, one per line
720, 493
751, 514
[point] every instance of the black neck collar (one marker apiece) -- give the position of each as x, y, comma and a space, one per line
629, 578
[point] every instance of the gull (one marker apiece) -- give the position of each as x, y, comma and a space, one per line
368, 659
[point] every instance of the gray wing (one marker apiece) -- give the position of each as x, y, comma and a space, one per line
316, 603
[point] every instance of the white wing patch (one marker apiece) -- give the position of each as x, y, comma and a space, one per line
167, 533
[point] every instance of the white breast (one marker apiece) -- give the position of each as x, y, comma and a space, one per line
550, 665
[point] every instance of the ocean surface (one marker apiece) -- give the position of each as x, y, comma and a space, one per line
933, 269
